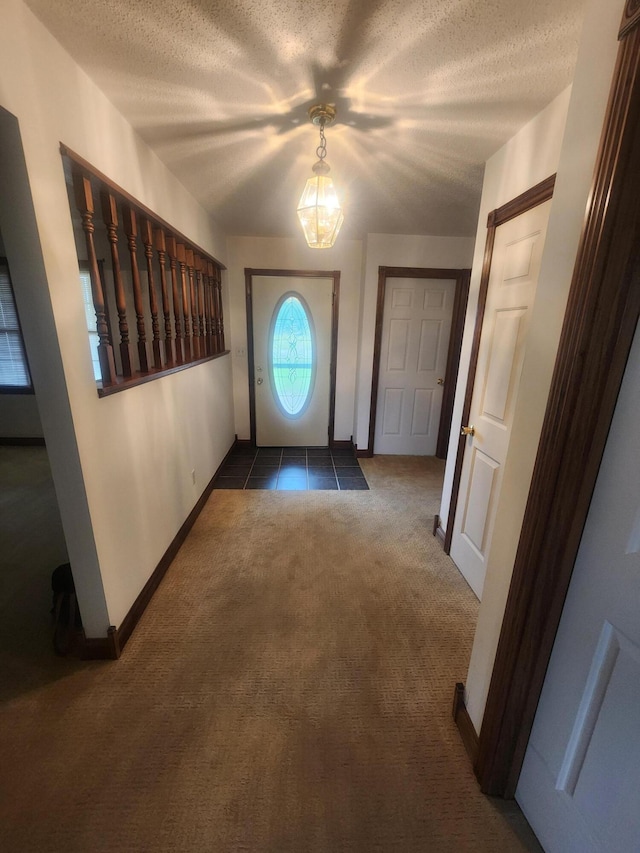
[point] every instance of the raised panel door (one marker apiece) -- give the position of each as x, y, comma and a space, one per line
415, 340
511, 292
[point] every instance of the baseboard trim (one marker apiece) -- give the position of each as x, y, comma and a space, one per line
364, 454
22, 441
243, 442
111, 646
463, 722
438, 532
336, 444
100, 648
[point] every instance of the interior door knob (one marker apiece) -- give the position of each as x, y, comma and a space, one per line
260, 380
468, 430
441, 381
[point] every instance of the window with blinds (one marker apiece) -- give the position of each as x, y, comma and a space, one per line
14, 371
90, 314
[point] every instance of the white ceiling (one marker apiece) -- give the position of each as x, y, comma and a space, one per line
426, 91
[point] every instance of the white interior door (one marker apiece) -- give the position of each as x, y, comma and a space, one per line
581, 775
416, 327
513, 279
292, 360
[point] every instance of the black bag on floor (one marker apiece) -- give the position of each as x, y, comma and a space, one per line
66, 615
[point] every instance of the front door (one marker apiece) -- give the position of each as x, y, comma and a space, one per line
413, 359
292, 359
581, 774
513, 279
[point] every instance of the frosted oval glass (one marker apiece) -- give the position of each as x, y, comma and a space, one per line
292, 360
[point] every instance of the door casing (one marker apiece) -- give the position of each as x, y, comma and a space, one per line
249, 273
592, 356
529, 199
461, 278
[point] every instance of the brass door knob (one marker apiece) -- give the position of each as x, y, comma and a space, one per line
441, 381
469, 430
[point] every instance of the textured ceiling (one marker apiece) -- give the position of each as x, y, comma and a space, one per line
425, 92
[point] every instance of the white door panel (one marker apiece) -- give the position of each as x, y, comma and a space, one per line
415, 340
515, 265
422, 405
480, 497
581, 775
273, 426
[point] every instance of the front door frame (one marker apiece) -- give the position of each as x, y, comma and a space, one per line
461, 278
249, 273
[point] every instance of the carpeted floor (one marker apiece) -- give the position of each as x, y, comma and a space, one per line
288, 689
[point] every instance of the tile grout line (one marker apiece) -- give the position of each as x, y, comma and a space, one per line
335, 472
246, 479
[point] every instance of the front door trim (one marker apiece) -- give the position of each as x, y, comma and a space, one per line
249, 273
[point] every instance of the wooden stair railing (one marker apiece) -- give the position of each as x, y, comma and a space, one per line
183, 276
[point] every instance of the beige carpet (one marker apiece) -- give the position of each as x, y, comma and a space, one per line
288, 689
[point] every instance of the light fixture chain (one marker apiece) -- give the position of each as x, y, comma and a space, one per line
321, 150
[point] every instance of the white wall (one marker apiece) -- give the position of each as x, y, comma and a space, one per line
122, 465
527, 159
294, 254
395, 250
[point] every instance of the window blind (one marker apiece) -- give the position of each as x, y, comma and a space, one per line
90, 315
13, 361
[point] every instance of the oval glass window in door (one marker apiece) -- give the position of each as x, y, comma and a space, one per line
292, 355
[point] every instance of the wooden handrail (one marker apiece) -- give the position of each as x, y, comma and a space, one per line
189, 279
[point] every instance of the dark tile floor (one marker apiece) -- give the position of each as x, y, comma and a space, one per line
291, 469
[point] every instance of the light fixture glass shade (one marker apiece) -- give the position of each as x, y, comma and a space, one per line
319, 212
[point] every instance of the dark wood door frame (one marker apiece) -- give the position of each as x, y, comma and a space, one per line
521, 204
600, 323
461, 278
335, 310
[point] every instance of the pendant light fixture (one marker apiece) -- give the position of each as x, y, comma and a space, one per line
319, 210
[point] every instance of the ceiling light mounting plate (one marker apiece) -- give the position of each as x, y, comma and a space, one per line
322, 114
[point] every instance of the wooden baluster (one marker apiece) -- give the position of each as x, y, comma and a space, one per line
84, 203
195, 321
212, 307
110, 216
172, 251
182, 263
131, 230
146, 230
220, 313
161, 248
207, 306
103, 285
204, 350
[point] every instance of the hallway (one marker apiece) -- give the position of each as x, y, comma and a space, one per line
288, 689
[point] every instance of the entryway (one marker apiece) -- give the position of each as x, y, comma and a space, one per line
292, 324
287, 469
